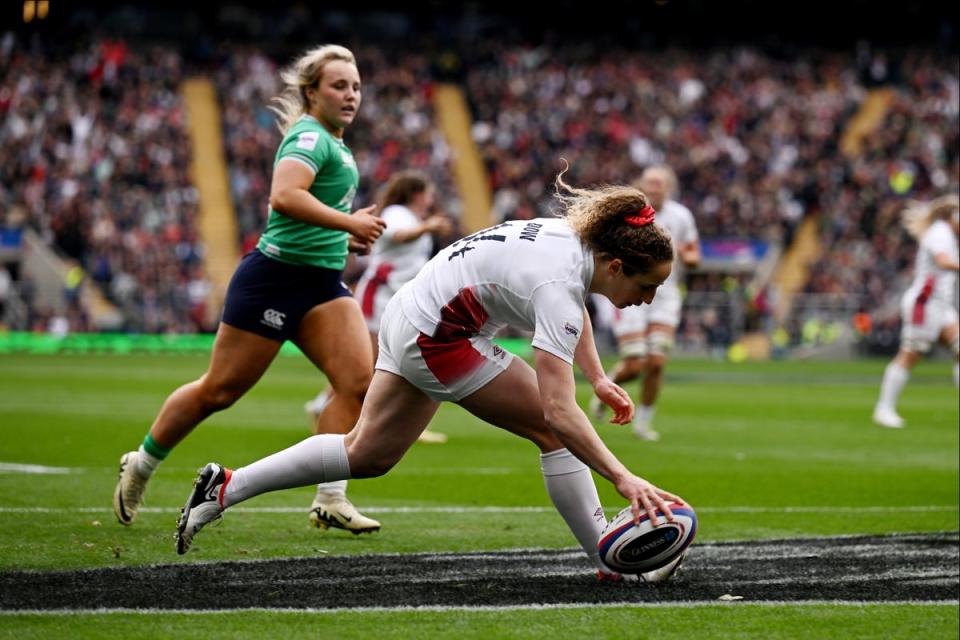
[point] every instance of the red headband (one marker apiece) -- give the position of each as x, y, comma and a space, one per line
643, 218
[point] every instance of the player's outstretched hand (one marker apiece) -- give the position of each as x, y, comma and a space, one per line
647, 497
366, 226
612, 395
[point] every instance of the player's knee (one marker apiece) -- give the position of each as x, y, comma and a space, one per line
656, 364
660, 345
633, 349
543, 436
371, 466
220, 397
353, 385
633, 367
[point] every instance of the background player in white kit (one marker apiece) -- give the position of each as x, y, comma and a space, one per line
645, 334
399, 254
436, 344
928, 307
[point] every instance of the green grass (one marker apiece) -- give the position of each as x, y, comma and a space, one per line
757, 622
792, 440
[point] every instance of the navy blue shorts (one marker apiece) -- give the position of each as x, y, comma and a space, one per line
269, 297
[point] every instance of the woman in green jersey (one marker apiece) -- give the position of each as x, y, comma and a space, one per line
289, 287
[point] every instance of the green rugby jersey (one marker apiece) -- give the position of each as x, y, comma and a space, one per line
334, 184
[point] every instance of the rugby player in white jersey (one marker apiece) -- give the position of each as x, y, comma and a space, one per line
928, 308
436, 344
645, 334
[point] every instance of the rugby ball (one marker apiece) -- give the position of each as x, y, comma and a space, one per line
630, 548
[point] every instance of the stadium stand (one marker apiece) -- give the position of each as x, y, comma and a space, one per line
772, 142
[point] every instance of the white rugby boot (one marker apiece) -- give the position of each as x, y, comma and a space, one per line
887, 417
203, 506
335, 511
128, 496
664, 573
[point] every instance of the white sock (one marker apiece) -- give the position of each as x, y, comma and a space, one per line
146, 463
336, 489
894, 379
570, 485
317, 459
644, 417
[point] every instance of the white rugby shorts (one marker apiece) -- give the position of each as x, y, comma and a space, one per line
924, 320
445, 371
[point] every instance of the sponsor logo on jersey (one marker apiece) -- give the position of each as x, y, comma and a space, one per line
273, 318
272, 249
570, 329
308, 140
347, 158
497, 352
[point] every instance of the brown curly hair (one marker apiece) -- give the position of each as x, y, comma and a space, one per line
599, 218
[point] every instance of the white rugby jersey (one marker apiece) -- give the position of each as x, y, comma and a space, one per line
940, 284
400, 260
532, 275
677, 219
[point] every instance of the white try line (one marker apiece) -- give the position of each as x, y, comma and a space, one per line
485, 608
935, 508
12, 467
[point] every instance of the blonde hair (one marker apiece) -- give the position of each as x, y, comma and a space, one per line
305, 72
918, 216
599, 218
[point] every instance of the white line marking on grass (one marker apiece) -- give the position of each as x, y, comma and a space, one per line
484, 608
455, 509
13, 467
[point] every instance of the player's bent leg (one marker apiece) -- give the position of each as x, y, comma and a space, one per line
511, 401
950, 336
394, 414
344, 355
239, 358
895, 378
660, 339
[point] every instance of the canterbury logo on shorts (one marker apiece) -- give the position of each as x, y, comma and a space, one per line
273, 318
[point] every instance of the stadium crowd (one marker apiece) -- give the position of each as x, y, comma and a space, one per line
914, 154
96, 151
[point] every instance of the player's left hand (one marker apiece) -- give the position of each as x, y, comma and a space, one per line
357, 246
612, 395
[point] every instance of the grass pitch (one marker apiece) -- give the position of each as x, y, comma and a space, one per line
761, 450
